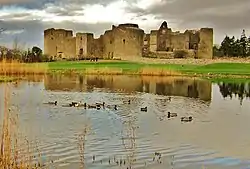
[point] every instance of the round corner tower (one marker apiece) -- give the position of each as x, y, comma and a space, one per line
128, 41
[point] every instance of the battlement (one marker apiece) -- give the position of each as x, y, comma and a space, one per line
58, 32
128, 25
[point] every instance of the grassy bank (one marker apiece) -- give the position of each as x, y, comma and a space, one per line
124, 67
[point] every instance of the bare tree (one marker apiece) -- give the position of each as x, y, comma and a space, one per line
2, 30
16, 43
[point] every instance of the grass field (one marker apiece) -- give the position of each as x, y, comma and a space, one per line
241, 69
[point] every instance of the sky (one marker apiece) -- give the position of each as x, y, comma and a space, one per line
25, 20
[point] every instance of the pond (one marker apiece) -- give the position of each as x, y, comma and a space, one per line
218, 136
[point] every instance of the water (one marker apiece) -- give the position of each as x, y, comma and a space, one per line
217, 138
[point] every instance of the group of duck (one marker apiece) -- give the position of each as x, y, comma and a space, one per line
115, 107
85, 105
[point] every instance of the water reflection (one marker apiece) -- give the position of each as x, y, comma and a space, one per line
168, 86
128, 133
240, 90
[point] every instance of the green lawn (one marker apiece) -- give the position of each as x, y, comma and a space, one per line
216, 68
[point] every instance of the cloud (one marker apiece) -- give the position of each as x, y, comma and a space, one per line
13, 32
31, 32
226, 16
5, 2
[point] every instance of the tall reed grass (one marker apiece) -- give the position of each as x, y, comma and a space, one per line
14, 152
14, 67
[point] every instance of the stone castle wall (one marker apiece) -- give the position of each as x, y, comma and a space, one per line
59, 43
127, 41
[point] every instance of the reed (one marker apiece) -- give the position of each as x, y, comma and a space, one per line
81, 145
14, 67
150, 71
14, 153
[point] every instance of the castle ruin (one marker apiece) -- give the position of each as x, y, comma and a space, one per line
128, 41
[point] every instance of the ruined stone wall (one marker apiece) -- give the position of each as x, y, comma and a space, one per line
153, 41
95, 47
205, 47
164, 39
108, 45
146, 44
70, 48
128, 41
81, 45
59, 43
90, 42
197, 44
180, 42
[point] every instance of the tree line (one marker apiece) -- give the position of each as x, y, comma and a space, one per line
233, 47
31, 55
35, 54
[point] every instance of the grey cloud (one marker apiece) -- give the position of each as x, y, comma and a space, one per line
225, 16
27, 4
60, 11
194, 11
33, 30
41, 4
15, 16
5, 2
103, 2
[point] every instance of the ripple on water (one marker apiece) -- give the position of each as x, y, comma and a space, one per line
126, 132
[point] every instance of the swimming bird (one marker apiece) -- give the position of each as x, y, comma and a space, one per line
100, 104
74, 104
112, 107
172, 114
126, 102
169, 98
92, 106
187, 119
55, 103
98, 107
145, 109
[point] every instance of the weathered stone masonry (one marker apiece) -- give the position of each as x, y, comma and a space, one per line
126, 41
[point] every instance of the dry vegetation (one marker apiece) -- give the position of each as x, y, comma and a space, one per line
16, 68
158, 72
14, 153
104, 71
147, 71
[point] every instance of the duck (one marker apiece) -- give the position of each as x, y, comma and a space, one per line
98, 107
126, 102
100, 104
92, 106
55, 103
169, 98
74, 104
172, 115
145, 109
187, 119
112, 107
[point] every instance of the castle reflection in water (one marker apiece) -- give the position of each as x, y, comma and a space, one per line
168, 86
